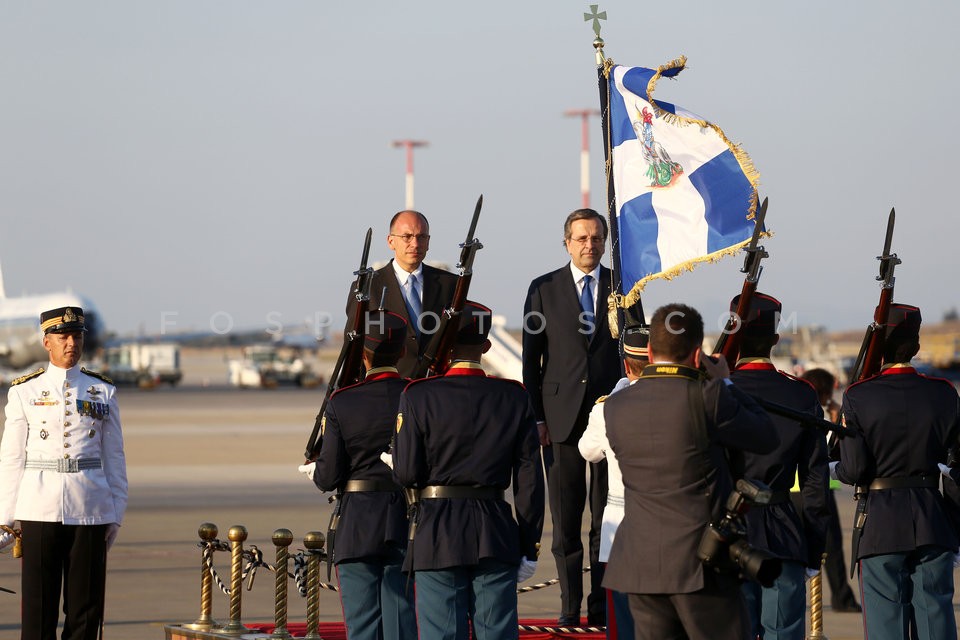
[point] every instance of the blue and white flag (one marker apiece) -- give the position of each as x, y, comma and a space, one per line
684, 193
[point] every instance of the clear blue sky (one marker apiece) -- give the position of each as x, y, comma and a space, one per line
204, 157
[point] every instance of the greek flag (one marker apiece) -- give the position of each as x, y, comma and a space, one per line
684, 193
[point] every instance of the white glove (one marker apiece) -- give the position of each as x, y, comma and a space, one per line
6, 539
112, 530
387, 459
944, 469
526, 569
308, 469
833, 469
811, 573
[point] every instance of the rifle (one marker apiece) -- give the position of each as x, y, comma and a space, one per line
804, 419
729, 342
436, 357
868, 365
349, 366
871, 350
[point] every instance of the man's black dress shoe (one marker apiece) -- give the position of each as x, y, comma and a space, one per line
569, 620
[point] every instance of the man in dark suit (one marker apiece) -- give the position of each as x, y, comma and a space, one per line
905, 425
415, 291
778, 611
462, 439
570, 360
669, 431
370, 522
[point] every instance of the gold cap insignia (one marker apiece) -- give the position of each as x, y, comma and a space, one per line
69, 315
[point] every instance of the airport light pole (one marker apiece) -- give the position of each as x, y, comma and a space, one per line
584, 115
409, 145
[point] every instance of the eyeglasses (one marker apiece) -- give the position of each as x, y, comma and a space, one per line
582, 240
408, 237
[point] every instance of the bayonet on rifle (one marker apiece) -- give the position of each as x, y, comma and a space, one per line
729, 342
349, 366
436, 356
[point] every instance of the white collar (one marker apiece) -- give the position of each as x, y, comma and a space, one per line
59, 374
402, 275
578, 274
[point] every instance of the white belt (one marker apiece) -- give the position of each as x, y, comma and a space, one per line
64, 465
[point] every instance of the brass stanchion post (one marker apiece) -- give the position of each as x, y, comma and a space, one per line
208, 533
236, 535
313, 541
281, 539
816, 604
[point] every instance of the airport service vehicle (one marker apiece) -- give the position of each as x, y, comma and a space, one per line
143, 365
268, 366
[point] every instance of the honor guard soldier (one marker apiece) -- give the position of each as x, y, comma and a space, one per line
905, 424
63, 476
777, 612
462, 439
368, 531
595, 447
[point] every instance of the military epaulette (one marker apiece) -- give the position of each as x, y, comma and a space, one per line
29, 376
349, 386
95, 374
601, 399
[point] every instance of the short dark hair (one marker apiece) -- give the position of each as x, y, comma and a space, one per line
676, 331
900, 349
822, 380
583, 214
382, 359
393, 220
757, 346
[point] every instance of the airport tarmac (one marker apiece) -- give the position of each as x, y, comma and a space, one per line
213, 454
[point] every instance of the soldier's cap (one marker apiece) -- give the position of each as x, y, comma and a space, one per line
636, 339
903, 322
475, 321
763, 316
62, 320
384, 332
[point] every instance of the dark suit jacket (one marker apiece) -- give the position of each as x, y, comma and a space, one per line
565, 370
906, 423
438, 288
669, 495
778, 528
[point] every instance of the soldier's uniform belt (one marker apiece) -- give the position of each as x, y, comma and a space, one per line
64, 465
906, 482
363, 486
479, 493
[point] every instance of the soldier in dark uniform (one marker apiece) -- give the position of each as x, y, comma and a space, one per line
462, 439
905, 424
669, 431
370, 528
778, 611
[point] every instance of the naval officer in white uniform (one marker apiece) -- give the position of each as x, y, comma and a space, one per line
63, 476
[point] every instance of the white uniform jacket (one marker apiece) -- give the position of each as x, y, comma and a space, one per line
594, 447
62, 418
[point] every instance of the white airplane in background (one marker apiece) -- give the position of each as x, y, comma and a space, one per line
21, 343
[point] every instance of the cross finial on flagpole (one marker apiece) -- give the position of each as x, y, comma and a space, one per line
596, 16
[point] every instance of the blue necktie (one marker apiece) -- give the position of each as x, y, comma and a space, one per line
586, 302
413, 303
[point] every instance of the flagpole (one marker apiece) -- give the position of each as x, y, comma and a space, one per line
614, 231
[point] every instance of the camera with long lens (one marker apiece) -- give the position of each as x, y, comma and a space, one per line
723, 546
